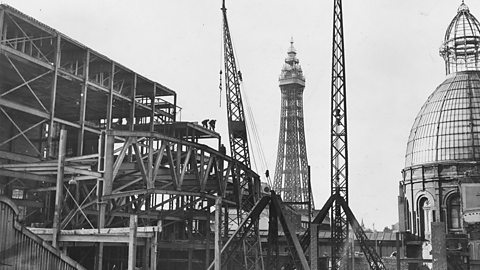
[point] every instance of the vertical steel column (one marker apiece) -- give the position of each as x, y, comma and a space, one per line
109, 161
154, 246
132, 243
313, 246
150, 180
207, 238
272, 245
152, 107
175, 108
83, 104
53, 95
397, 246
2, 16
105, 188
132, 108
218, 239
190, 258
62, 149
110, 99
146, 253
131, 124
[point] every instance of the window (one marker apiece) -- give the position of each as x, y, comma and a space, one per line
424, 210
17, 194
453, 212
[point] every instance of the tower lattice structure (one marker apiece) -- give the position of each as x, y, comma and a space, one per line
291, 171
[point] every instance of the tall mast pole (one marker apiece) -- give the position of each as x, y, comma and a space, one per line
339, 149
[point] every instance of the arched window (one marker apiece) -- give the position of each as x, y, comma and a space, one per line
453, 212
424, 210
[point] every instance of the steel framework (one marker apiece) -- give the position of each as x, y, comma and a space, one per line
373, 259
339, 146
86, 143
291, 172
277, 216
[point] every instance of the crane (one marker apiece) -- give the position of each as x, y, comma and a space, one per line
339, 146
236, 117
341, 214
239, 148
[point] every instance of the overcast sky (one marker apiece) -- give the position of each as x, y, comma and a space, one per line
391, 57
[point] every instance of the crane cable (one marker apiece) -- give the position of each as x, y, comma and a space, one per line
252, 130
253, 134
221, 62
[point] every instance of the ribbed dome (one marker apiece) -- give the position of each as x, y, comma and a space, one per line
460, 48
447, 127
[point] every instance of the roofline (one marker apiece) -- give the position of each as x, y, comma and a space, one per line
44, 27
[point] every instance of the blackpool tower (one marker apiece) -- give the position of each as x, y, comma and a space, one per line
291, 170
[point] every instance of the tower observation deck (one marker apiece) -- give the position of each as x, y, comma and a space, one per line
291, 171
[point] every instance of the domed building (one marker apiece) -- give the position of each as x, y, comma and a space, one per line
439, 203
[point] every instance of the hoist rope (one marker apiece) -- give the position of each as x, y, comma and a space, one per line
253, 134
252, 131
221, 59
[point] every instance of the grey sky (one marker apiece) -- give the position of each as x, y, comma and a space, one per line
392, 66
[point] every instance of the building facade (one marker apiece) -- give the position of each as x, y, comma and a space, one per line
439, 207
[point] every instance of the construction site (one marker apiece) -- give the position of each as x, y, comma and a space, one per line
97, 171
